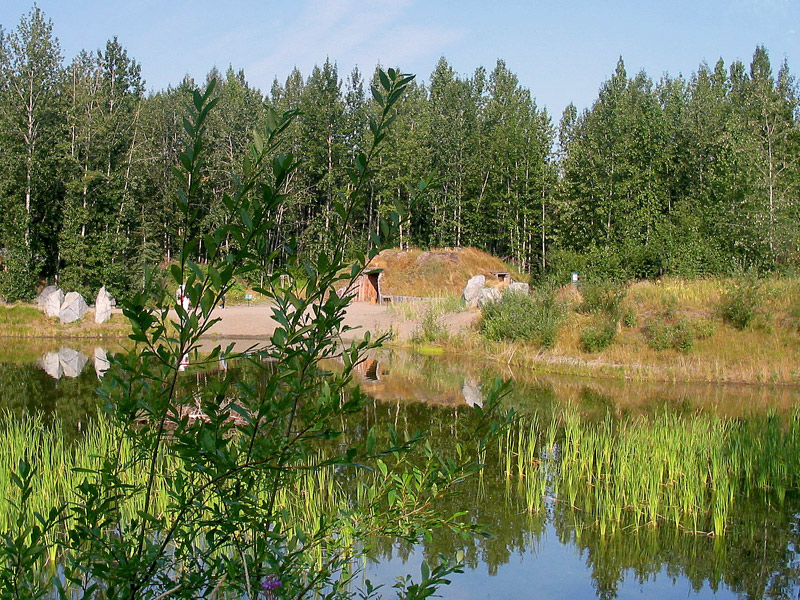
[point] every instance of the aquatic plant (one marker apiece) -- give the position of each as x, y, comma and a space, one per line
684, 470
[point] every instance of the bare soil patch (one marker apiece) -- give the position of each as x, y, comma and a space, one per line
255, 321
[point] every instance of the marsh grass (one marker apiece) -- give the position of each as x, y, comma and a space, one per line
668, 469
60, 468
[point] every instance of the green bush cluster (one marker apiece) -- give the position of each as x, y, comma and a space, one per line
599, 334
603, 297
521, 317
662, 334
704, 328
430, 329
739, 304
675, 248
629, 317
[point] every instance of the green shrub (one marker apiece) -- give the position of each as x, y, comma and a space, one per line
629, 317
603, 297
739, 305
662, 334
704, 329
658, 333
598, 335
561, 264
430, 329
794, 315
683, 336
521, 317
670, 303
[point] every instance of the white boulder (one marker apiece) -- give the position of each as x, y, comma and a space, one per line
41, 299
519, 288
72, 361
73, 308
472, 393
51, 365
103, 305
472, 290
53, 302
101, 362
488, 295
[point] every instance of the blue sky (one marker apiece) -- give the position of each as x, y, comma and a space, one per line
561, 50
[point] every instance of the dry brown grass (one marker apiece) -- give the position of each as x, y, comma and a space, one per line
768, 352
435, 273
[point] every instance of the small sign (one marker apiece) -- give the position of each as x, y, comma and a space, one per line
248, 298
574, 279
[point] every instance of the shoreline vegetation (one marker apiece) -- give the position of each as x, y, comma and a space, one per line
715, 330
707, 330
20, 320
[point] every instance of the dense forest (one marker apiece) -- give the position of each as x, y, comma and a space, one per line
689, 176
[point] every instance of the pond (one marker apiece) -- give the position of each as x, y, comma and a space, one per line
554, 532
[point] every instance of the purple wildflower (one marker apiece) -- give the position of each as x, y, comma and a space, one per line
271, 583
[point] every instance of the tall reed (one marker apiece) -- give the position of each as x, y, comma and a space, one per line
687, 471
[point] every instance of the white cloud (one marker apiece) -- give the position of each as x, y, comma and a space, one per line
351, 33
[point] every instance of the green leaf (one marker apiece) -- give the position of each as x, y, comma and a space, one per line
376, 94
387, 85
177, 273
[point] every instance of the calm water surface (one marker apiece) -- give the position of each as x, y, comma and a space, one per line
552, 553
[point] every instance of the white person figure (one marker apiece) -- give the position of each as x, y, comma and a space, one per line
182, 298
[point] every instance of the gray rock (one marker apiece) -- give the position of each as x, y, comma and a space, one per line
101, 362
103, 305
519, 288
472, 393
53, 302
51, 365
41, 299
472, 290
73, 308
72, 361
489, 295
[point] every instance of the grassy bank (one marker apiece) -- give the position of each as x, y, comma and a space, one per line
26, 321
709, 330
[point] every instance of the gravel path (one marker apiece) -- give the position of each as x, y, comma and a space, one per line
255, 321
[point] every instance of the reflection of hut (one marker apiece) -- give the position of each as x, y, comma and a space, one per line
368, 286
368, 370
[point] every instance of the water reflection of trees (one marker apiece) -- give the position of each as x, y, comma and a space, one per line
756, 558
25, 388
